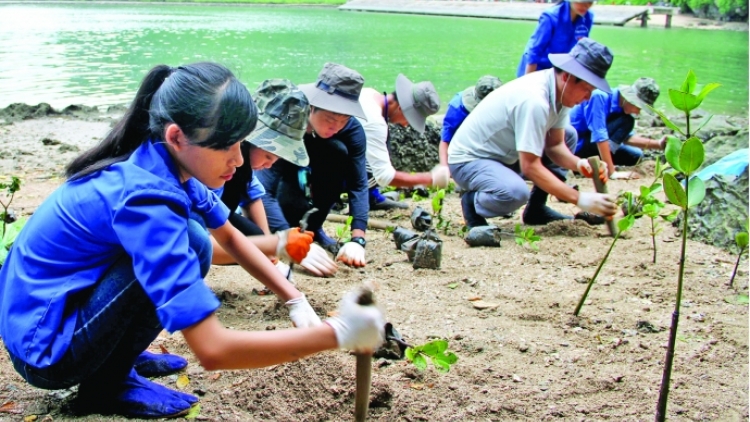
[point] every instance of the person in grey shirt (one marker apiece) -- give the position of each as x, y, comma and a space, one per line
520, 129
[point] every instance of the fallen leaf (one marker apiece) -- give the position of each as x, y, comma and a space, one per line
163, 349
215, 376
474, 298
739, 299
195, 411
453, 285
182, 381
417, 386
10, 407
29, 418
480, 304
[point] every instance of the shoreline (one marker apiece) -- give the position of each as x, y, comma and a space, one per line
679, 20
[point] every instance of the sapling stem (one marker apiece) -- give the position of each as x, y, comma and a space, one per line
653, 238
596, 273
736, 265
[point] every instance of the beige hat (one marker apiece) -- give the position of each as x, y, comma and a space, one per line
417, 101
336, 90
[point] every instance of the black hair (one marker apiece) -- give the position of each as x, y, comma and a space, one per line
576, 79
395, 96
212, 108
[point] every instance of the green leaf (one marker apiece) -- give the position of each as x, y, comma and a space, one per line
195, 411
410, 353
3, 255
741, 239
706, 89
691, 155
442, 345
739, 299
440, 365
656, 187
420, 362
519, 241
666, 120
626, 223
430, 349
11, 232
451, 357
683, 101
645, 191
688, 85
672, 152
671, 216
703, 123
651, 210
696, 191
453, 285
673, 190
657, 167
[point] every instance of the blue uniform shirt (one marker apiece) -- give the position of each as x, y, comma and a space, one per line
591, 116
454, 116
555, 34
136, 207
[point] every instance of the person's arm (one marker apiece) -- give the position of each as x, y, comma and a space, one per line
443, 152
538, 45
217, 347
254, 260
595, 113
647, 143
256, 212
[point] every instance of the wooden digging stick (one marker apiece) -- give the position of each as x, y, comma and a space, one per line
601, 187
364, 369
371, 223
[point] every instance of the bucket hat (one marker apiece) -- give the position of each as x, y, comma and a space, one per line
472, 95
336, 90
588, 60
282, 111
417, 101
643, 92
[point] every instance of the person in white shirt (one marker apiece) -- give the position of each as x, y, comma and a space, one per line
408, 105
520, 129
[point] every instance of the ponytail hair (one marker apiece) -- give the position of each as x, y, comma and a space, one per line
212, 108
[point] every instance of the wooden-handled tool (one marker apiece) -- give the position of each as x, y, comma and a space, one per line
601, 187
364, 369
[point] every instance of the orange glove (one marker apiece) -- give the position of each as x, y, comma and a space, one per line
584, 167
293, 245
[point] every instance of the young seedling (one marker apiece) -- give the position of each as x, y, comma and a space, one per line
685, 157
9, 230
741, 239
435, 351
344, 232
526, 237
437, 211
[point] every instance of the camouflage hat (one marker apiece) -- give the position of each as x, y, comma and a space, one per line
417, 101
643, 92
283, 111
336, 90
472, 95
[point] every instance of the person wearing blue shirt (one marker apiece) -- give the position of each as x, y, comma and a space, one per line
459, 108
560, 27
120, 251
604, 124
336, 144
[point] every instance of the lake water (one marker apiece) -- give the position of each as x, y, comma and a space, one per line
97, 54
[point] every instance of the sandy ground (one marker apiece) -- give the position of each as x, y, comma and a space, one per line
526, 358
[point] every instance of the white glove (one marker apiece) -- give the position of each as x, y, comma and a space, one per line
597, 203
352, 254
358, 327
440, 176
301, 313
284, 269
318, 262
584, 167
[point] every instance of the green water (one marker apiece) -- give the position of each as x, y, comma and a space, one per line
97, 54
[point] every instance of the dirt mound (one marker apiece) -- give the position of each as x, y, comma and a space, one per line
568, 228
411, 151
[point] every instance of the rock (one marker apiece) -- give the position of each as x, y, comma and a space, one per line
721, 214
412, 152
481, 305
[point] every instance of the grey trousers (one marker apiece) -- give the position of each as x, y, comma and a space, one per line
500, 188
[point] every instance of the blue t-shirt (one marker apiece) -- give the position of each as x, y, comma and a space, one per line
555, 34
138, 208
454, 116
591, 116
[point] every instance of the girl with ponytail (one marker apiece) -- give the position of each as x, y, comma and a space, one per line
120, 251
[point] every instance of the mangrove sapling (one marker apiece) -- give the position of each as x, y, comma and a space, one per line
685, 157
344, 232
741, 239
437, 211
526, 237
10, 229
435, 351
